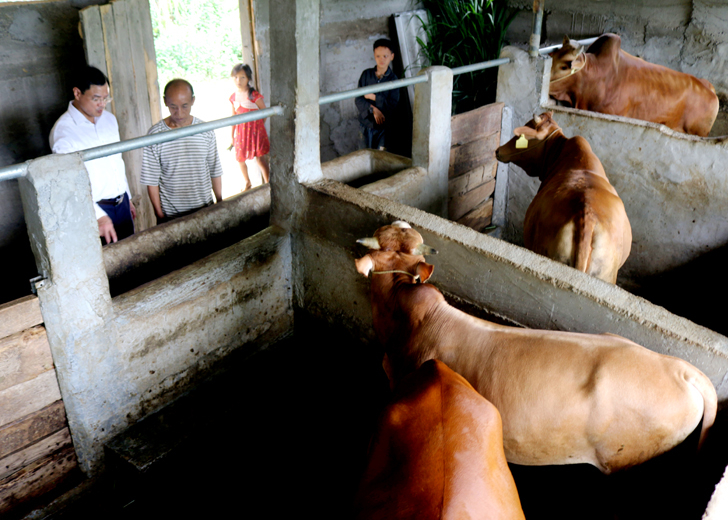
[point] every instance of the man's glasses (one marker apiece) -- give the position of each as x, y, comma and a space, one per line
99, 99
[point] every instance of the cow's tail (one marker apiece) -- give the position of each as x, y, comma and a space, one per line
583, 238
710, 400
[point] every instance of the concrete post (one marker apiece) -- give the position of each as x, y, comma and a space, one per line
74, 297
431, 135
523, 85
295, 155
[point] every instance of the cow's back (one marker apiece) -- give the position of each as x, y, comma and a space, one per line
437, 454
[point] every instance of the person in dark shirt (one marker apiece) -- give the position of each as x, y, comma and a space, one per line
376, 110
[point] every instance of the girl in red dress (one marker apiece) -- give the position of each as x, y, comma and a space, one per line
250, 139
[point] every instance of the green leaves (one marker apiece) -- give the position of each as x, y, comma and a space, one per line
196, 39
462, 32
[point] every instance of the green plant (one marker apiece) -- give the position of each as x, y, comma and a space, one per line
463, 32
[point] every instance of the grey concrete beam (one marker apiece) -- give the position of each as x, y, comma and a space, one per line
431, 135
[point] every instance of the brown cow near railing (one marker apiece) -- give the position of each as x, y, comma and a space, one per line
564, 397
608, 80
576, 217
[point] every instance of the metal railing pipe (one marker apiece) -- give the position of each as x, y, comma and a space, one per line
552, 48
480, 66
163, 137
13, 172
19, 170
371, 89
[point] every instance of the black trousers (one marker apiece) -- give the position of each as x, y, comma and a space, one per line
120, 215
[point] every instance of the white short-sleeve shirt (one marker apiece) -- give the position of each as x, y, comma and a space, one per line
73, 132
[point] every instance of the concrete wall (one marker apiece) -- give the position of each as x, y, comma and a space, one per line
39, 45
686, 35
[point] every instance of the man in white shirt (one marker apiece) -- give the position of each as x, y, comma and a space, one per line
181, 175
86, 125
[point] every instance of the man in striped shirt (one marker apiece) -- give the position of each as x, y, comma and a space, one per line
181, 175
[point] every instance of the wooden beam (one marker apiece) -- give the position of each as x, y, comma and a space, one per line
476, 124
31, 428
25, 398
93, 37
466, 157
24, 356
44, 447
36, 479
19, 314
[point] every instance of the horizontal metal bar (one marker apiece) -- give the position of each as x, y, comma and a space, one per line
372, 89
163, 137
480, 66
19, 170
13, 172
587, 42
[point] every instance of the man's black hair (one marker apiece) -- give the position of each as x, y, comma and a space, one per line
89, 76
178, 81
383, 42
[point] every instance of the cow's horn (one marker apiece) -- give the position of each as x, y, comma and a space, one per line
424, 249
370, 242
537, 119
401, 224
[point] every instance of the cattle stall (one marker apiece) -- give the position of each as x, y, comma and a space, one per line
121, 358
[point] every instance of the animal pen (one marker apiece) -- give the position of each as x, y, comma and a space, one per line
119, 358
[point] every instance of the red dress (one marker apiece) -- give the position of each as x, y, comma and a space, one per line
251, 139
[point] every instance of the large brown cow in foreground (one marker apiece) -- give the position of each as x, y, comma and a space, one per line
608, 80
564, 397
437, 454
576, 217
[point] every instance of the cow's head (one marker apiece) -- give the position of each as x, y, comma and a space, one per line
396, 247
526, 149
567, 60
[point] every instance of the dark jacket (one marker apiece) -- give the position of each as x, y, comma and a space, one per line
386, 101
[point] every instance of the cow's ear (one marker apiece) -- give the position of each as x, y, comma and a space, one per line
424, 271
364, 264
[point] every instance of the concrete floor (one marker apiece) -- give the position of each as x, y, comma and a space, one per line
285, 433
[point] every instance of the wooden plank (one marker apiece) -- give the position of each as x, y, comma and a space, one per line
19, 314
150, 61
31, 428
93, 37
109, 32
23, 356
480, 218
128, 17
44, 447
36, 479
476, 124
473, 154
460, 205
472, 179
26, 398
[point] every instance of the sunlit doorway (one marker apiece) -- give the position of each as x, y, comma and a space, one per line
200, 41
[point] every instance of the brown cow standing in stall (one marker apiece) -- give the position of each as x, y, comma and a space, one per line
576, 217
608, 80
564, 397
437, 454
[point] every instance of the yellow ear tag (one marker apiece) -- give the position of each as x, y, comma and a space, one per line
522, 142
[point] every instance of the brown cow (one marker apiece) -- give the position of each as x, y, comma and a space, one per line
564, 397
437, 454
608, 80
576, 217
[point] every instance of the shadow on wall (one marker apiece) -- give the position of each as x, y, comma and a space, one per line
682, 291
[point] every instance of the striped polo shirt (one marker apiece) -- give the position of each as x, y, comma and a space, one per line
182, 169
